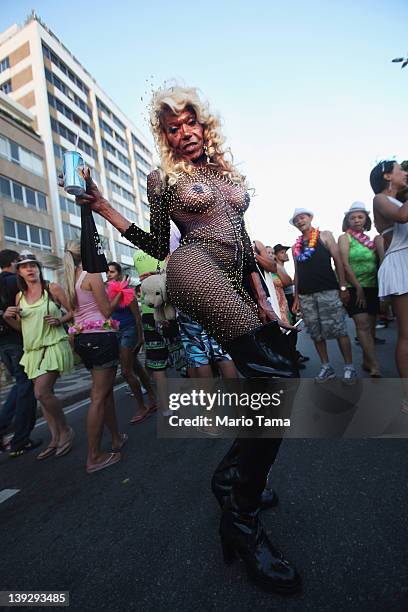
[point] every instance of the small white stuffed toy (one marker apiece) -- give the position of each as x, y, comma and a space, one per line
155, 296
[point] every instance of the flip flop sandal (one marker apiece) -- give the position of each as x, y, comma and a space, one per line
124, 438
24, 449
141, 417
48, 452
64, 448
111, 460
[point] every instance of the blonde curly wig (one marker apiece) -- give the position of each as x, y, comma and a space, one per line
177, 99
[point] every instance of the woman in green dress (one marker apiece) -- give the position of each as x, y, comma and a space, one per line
47, 353
361, 258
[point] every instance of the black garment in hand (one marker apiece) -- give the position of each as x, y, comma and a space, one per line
93, 257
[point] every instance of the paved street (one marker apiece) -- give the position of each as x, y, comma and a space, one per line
143, 534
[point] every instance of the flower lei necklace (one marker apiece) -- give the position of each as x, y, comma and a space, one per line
304, 253
362, 239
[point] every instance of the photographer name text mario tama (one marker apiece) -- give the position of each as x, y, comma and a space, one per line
225, 421
207, 401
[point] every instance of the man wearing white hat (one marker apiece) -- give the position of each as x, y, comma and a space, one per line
318, 295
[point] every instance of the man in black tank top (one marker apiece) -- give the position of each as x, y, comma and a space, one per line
318, 294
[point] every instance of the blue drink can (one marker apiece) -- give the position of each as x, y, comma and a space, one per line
74, 182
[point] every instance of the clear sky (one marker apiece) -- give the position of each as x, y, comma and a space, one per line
306, 89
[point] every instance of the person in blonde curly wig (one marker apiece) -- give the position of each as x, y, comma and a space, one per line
206, 197
177, 99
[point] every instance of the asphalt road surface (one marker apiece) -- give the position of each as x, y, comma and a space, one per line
142, 535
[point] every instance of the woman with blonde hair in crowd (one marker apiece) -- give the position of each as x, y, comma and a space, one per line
388, 179
361, 257
47, 353
96, 343
206, 197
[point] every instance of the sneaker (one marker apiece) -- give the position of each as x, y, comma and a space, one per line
301, 358
349, 377
379, 340
326, 373
381, 325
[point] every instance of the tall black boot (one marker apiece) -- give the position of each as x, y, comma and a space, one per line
264, 352
242, 536
227, 473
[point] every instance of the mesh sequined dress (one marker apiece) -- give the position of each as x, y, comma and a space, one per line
204, 274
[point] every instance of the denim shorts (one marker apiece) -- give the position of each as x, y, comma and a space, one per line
127, 337
97, 350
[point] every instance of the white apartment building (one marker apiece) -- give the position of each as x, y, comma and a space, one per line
41, 74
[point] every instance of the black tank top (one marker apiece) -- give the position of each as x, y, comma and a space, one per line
316, 274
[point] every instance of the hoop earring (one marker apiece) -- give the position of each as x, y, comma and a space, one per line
389, 186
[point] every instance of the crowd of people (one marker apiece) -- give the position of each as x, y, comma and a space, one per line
232, 299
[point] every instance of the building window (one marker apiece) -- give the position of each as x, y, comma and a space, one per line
71, 232
124, 249
112, 168
69, 206
129, 214
60, 129
107, 128
30, 235
115, 188
141, 146
143, 193
4, 64
30, 197
107, 145
120, 140
5, 189
111, 115
67, 112
141, 160
6, 87
64, 68
54, 80
17, 154
18, 192
22, 195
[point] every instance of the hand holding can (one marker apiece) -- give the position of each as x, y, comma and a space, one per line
74, 182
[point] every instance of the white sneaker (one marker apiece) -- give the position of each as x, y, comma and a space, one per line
326, 373
349, 376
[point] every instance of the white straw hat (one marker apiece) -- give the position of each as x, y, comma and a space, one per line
357, 207
27, 257
300, 211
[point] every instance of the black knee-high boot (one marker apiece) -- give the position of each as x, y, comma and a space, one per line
263, 353
226, 474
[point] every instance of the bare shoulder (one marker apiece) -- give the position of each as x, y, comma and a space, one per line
380, 199
327, 236
55, 288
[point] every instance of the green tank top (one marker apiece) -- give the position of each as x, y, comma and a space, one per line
36, 332
363, 262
